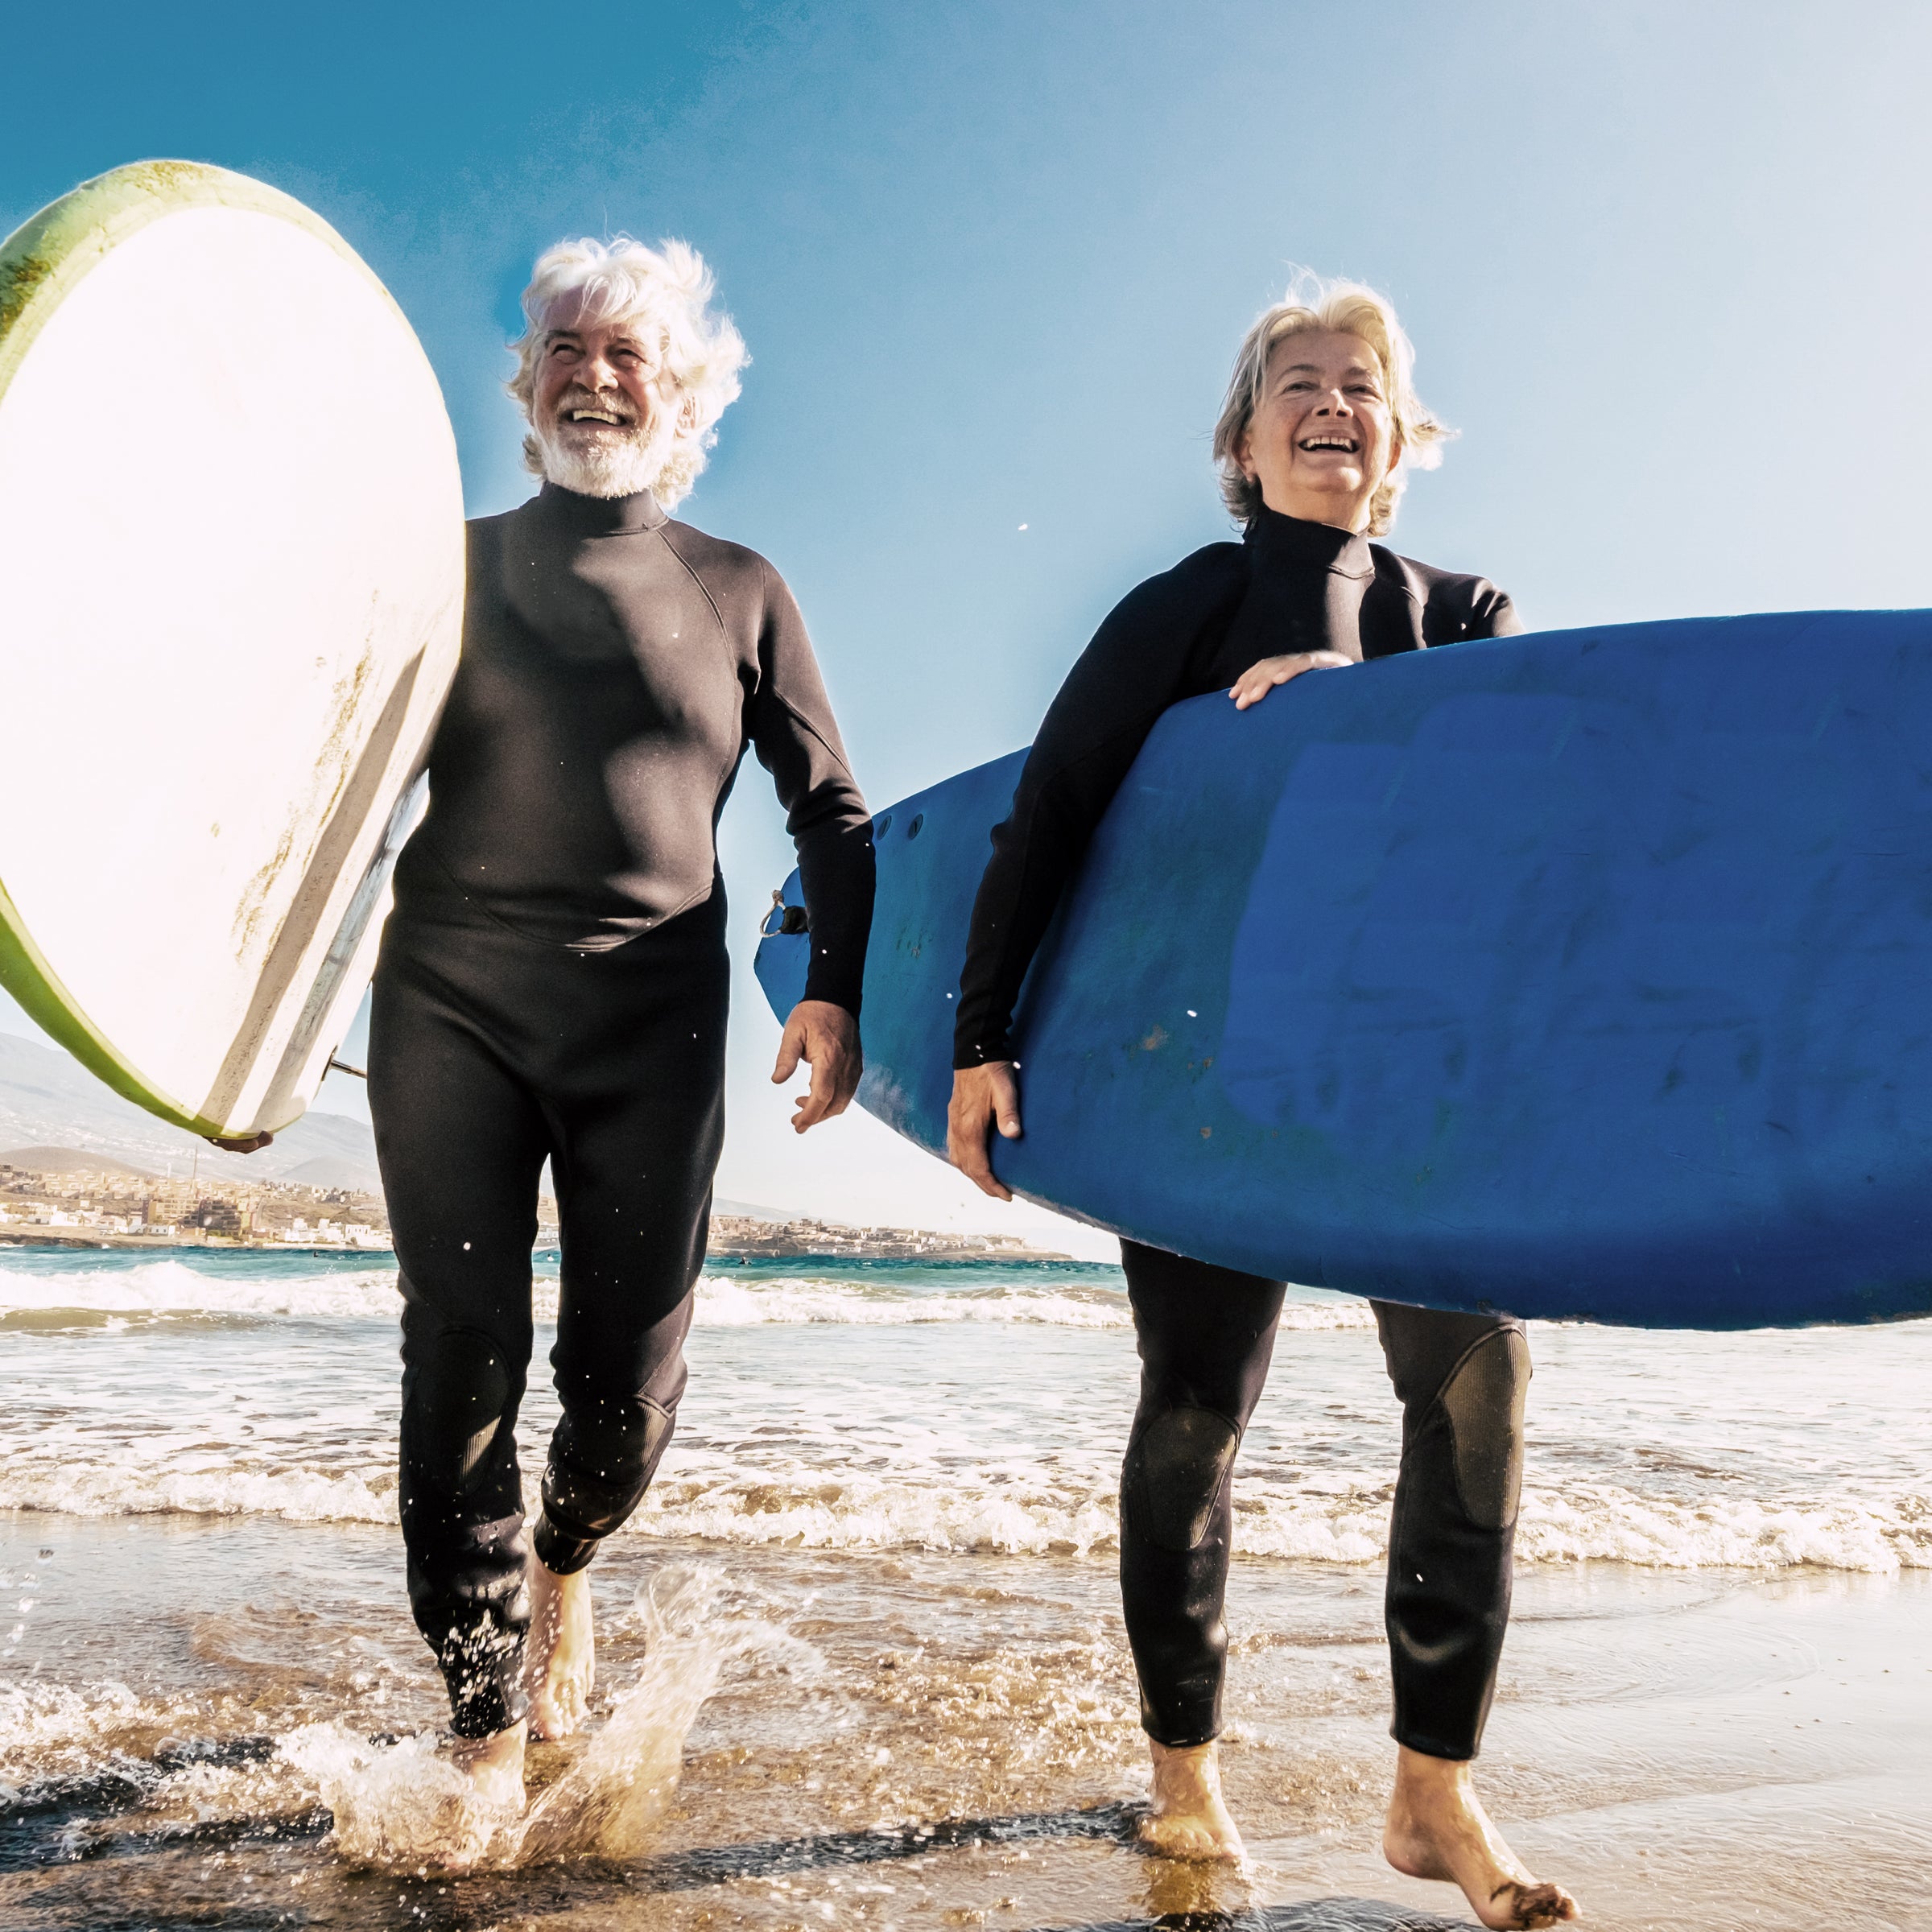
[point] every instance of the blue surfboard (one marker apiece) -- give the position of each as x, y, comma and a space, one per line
1586, 974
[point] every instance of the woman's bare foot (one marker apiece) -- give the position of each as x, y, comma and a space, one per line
1438, 1829
1187, 1818
494, 1766
560, 1654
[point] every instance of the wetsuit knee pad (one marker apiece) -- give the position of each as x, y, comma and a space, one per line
464, 1393
1484, 1399
1174, 1473
600, 1469
597, 1475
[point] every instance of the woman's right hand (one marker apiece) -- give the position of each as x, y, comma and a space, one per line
982, 1097
1257, 680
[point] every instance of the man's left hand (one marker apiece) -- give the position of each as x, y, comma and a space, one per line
826, 1038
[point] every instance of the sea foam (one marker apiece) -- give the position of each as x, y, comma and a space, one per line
968, 1509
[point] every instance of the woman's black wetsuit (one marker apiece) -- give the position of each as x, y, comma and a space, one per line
1206, 1334
553, 984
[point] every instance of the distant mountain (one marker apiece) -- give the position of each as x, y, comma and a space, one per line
68, 1160
746, 1211
49, 1100
332, 1170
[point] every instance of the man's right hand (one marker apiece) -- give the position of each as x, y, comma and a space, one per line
982, 1096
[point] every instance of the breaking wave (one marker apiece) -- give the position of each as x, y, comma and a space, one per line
176, 1290
976, 1406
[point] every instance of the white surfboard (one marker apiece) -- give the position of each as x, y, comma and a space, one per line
231, 546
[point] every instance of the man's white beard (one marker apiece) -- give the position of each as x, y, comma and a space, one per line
607, 465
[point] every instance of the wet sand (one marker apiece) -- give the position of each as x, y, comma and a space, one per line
944, 1740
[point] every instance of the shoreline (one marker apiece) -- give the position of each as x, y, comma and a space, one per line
94, 1237
65, 1197
870, 1244
951, 1741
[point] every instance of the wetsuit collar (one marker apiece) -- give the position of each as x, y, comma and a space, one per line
600, 516
1289, 540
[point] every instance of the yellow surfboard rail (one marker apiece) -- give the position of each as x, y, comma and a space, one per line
37, 988
51, 252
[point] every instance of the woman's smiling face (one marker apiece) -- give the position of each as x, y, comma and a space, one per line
1322, 439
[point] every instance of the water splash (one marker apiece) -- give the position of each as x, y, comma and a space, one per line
400, 1806
403, 1807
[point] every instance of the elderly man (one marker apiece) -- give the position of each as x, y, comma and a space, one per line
553, 982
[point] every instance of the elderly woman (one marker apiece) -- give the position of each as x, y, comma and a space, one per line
553, 981
1320, 422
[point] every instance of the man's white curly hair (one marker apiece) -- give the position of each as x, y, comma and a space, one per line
666, 288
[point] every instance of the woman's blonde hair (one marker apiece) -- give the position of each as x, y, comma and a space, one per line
1347, 308
667, 288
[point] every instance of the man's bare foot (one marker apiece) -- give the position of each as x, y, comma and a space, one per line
560, 1654
1438, 1829
494, 1766
1187, 1818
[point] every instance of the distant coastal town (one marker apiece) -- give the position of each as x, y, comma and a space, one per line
68, 1197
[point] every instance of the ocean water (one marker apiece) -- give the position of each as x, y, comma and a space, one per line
870, 1597
955, 1406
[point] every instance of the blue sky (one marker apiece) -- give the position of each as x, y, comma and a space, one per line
1664, 266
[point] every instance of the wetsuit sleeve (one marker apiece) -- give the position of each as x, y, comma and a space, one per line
1492, 614
792, 730
1454, 608
1131, 672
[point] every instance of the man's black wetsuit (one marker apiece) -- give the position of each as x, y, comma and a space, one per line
553, 984
1206, 1334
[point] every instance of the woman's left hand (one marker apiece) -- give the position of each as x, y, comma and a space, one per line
1257, 680
983, 1097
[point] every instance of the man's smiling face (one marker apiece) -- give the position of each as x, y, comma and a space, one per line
597, 382
598, 406
1322, 437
